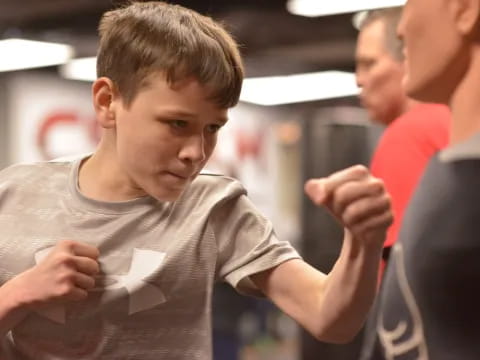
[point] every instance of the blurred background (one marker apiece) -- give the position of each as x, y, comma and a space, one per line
299, 118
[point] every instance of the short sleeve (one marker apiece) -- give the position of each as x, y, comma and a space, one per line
247, 244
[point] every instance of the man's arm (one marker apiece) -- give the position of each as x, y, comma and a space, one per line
333, 307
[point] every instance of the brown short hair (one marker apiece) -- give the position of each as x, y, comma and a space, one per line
143, 38
391, 18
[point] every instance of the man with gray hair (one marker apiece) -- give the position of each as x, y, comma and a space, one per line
379, 61
415, 131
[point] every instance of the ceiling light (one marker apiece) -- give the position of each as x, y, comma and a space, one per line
263, 91
299, 88
80, 69
314, 8
17, 54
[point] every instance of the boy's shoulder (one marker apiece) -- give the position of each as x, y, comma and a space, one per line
215, 188
35, 172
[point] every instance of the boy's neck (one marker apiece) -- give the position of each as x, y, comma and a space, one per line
465, 104
101, 178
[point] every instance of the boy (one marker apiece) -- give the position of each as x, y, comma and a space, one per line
116, 253
428, 306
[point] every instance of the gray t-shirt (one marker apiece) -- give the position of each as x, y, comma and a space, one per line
159, 261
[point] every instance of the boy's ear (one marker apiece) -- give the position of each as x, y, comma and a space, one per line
466, 16
105, 99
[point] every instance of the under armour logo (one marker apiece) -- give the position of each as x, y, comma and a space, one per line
391, 340
142, 295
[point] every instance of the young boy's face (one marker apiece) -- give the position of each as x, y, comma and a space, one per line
433, 48
166, 135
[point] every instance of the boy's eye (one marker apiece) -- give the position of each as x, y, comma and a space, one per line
179, 124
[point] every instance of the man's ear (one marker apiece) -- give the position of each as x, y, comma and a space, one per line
466, 16
105, 101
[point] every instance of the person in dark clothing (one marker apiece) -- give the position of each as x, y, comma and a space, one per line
428, 305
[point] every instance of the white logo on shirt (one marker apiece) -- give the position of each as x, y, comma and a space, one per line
390, 339
142, 295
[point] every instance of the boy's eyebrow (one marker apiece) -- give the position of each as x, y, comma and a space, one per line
186, 114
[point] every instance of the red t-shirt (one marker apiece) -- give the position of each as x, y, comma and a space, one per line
404, 150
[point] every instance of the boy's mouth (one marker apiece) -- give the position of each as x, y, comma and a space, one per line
179, 175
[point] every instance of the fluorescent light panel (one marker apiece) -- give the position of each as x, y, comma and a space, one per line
265, 91
313, 8
18, 54
299, 88
80, 69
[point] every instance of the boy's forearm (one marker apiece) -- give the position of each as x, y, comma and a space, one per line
12, 310
350, 289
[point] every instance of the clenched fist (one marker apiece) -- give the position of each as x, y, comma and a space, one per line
357, 199
65, 274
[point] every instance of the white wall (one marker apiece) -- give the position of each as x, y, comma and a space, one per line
48, 117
